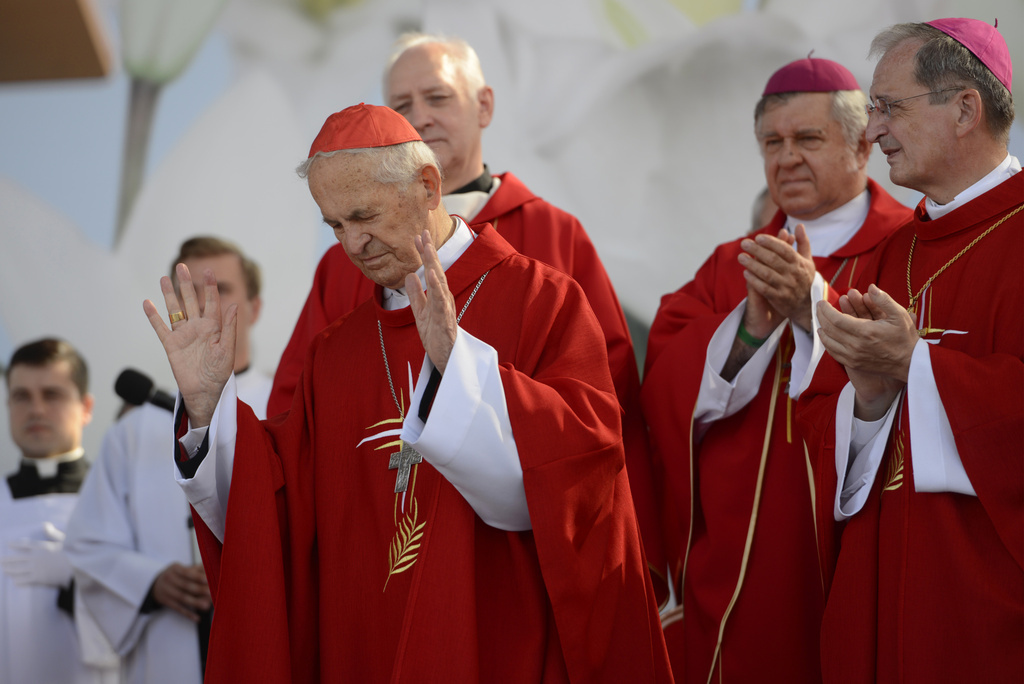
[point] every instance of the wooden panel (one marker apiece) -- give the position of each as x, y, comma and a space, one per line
52, 39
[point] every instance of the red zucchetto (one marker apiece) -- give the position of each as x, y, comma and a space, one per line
360, 126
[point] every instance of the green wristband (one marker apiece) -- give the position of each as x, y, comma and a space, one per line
748, 339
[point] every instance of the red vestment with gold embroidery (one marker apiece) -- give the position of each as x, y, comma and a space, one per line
747, 614
929, 587
327, 575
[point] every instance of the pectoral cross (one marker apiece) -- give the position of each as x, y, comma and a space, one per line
403, 461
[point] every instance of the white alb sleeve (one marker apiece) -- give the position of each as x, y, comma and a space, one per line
937, 464
208, 490
468, 434
860, 446
807, 347
719, 398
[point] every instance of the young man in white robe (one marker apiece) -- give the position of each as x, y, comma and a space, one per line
50, 405
130, 538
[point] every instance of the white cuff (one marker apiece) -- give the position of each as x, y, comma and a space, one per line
208, 490
937, 464
862, 442
468, 435
718, 398
808, 348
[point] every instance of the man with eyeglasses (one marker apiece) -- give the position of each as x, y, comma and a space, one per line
727, 355
928, 436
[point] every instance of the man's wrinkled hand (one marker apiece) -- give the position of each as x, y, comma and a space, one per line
200, 346
780, 274
434, 309
874, 338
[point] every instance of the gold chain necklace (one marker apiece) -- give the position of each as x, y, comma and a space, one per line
910, 260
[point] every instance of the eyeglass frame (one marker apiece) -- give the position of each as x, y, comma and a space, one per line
871, 106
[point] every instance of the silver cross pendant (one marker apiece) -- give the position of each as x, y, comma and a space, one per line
403, 461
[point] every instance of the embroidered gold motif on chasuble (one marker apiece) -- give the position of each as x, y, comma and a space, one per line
404, 547
894, 474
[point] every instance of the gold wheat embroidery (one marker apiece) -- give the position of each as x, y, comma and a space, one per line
894, 476
402, 553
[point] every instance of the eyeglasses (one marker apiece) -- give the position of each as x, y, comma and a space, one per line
884, 107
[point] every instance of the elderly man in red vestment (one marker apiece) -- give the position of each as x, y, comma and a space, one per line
437, 84
727, 355
922, 453
446, 500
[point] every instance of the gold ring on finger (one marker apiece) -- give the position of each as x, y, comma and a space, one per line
177, 316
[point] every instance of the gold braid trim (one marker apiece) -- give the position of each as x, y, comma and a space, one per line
910, 259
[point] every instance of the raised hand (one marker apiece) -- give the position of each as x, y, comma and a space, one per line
781, 275
200, 346
434, 309
874, 338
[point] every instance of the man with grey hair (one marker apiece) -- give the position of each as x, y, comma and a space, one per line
437, 84
922, 452
727, 355
446, 500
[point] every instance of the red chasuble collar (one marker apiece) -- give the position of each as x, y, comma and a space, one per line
989, 206
510, 196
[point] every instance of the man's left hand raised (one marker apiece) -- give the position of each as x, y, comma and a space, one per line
434, 309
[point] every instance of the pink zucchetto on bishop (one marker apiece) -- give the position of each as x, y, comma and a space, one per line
811, 75
984, 41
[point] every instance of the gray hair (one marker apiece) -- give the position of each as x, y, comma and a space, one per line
847, 109
942, 62
462, 53
396, 164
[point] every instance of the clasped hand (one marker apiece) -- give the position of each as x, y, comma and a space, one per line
778, 280
39, 561
873, 337
183, 589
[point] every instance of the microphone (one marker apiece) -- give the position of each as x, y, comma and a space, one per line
137, 388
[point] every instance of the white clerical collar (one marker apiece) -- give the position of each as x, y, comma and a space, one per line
1007, 168
468, 204
831, 231
448, 254
47, 467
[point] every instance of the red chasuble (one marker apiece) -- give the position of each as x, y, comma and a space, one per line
929, 587
538, 230
327, 575
737, 511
